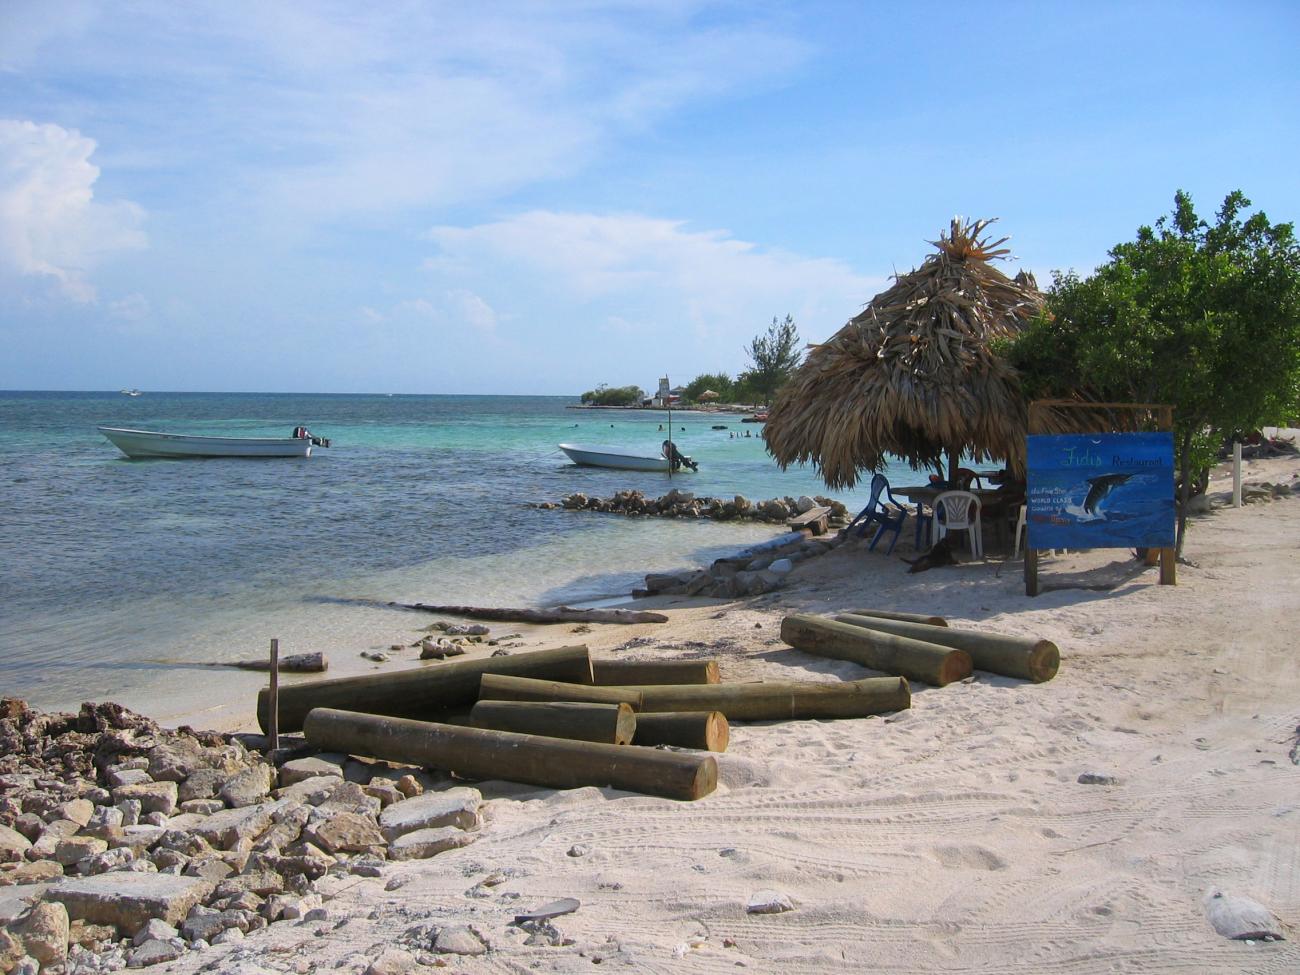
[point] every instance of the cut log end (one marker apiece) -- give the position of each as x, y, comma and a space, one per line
1044, 661
957, 666
706, 778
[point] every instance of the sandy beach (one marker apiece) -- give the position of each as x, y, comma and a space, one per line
953, 837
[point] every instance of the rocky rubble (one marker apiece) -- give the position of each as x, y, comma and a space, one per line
753, 572
684, 504
126, 844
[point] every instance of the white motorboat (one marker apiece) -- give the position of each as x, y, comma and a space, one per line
148, 443
625, 460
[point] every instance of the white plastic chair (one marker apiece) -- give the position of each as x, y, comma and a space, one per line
959, 509
1021, 531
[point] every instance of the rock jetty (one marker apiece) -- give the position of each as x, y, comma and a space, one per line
684, 504
124, 844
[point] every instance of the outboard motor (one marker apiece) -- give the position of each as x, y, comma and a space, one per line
676, 459
302, 433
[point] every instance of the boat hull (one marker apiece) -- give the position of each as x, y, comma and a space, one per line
147, 443
618, 460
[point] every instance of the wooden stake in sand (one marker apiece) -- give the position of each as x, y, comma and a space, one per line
478, 753
706, 730
273, 698
910, 658
614, 724
622, 672
424, 691
504, 687
1010, 656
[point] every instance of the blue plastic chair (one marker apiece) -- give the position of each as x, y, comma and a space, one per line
878, 512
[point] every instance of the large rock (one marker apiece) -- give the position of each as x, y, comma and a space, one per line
129, 900
38, 871
75, 848
78, 811
348, 833
459, 940
313, 791
228, 828
314, 765
248, 787
424, 843
201, 784
350, 798
43, 932
454, 807
13, 845
154, 952
159, 797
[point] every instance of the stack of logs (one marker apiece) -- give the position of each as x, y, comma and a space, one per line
557, 718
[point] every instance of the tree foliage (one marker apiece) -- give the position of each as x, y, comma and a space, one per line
604, 395
773, 359
1204, 317
719, 382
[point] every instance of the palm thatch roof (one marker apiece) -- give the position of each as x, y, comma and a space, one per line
708, 394
914, 375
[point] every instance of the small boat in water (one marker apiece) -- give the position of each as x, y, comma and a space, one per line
148, 443
625, 460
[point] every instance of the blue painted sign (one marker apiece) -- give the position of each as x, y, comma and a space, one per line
1104, 490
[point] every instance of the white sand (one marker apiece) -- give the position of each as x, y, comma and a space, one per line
952, 837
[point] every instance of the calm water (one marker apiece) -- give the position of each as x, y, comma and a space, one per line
116, 576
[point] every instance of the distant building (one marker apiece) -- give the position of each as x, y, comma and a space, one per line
666, 396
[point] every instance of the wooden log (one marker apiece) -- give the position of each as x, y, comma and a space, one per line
558, 614
1010, 656
886, 614
780, 700
614, 673
423, 691
478, 753
503, 687
907, 657
614, 724
706, 730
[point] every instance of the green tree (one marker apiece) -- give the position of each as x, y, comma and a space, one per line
1203, 317
719, 382
604, 395
773, 357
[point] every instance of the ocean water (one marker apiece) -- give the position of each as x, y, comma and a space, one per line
120, 578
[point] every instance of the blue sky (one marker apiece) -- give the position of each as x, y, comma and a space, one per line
538, 197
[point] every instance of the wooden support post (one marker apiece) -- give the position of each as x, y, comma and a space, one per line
620, 673
781, 700
614, 724
1031, 570
504, 687
906, 656
1168, 567
1011, 656
273, 698
706, 730
477, 753
422, 692
1236, 472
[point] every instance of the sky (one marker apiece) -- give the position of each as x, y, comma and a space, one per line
539, 197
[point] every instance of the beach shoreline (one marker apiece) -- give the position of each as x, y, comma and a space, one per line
1071, 825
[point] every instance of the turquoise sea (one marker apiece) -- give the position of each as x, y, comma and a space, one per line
118, 577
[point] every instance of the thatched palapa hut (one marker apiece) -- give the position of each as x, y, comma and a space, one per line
914, 374
708, 396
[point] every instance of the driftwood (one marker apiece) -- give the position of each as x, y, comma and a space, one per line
422, 692
705, 730
1011, 656
477, 753
614, 724
907, 657
559, 614
621, 672
294, 663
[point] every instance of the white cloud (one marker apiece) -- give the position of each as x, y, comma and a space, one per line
132, 308
656, 270
51, 226
474, 311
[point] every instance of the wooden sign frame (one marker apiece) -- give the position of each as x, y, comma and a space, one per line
1164, 417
